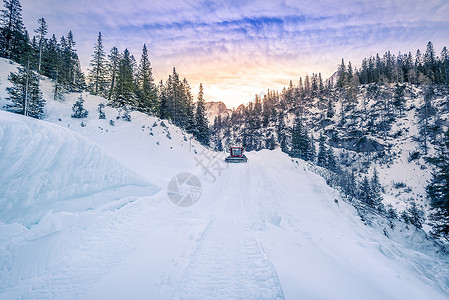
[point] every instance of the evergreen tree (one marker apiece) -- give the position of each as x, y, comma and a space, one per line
425, 112
430, 62
125, 86
342, 74
113, 65
78, 109
365, 192
25, 95
414, 215
97, 72
322, 159
164, 112
399, 99
202, 128
42, 32
376, 191
51, 59
70, 73
189, 107
438, 190
445, 65
13, 37
331, 160
101, 113
282, 132
146, 92
301, 144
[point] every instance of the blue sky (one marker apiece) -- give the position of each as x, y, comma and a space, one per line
241, 48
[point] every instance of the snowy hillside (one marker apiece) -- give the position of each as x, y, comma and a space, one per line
367, 134
59, 170
267, 229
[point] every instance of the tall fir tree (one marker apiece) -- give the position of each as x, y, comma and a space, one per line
301, 143
14, 40
25, 94
202, 128
376, 191
438, 190
41, 32
112, 69
97, 71
321, 158
164, 112
189, 107
146, 89
125, 86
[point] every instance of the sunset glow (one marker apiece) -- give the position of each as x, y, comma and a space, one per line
241, 48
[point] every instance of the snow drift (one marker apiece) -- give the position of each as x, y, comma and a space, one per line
48, 167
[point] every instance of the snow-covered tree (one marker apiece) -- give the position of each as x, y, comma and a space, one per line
78, 109
97, 71
201, 124
101, 113
41, 32
13, 36
438, 190
146, 89
25, 94
125, 85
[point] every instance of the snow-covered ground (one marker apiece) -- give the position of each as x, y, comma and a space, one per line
267, 229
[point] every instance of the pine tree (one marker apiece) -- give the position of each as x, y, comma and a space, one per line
438, 190
365, 192
376, 191
189, 107
101, 114
301, 144
97, 72
13, 37
445, 65
78, 109
425, 112
202, 128
415, 215
399, 99
51, 64
25, 95
322, 159
113, 64
146, 92
430, 62
70, 73
331, 160
42, 32
125, 86
164, 112
342, 74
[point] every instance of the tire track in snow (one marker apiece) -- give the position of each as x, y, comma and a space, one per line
229, 263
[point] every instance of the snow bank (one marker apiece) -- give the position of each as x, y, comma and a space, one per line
47, 167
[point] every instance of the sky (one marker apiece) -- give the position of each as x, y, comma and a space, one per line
239, 48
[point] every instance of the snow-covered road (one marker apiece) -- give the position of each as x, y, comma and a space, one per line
267, 229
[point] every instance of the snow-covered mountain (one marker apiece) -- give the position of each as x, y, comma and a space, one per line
103, 225
368, 133
215, 109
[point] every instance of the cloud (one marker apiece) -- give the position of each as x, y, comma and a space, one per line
246, 46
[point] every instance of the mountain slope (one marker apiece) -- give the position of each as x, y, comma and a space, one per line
267, 229
46, 167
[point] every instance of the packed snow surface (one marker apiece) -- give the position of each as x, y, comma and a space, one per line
47, 167
85, 215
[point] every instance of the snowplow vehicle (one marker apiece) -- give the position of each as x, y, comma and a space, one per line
236, 155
